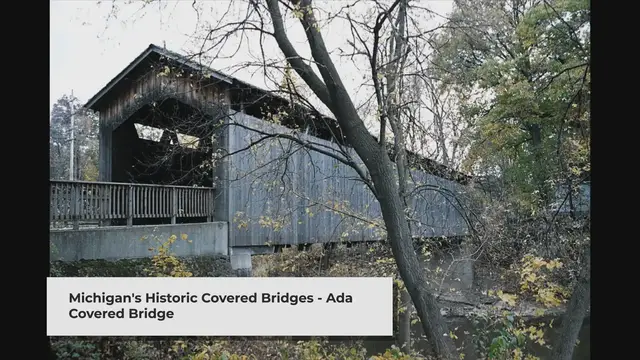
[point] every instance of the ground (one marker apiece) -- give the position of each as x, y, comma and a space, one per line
458, 305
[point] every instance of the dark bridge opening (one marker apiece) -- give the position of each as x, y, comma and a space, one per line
165, 143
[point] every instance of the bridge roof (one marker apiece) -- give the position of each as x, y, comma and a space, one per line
153, 50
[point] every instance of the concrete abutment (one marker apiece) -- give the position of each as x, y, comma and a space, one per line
206, 239
241, 261
131, 242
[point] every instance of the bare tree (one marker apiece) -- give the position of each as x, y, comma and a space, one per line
393, 42
434, 125
388, 182
85, 138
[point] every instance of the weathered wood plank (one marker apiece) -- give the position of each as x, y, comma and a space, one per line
79, 201
280, 192
181, 87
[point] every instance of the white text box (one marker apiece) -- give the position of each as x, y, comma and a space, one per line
250, 306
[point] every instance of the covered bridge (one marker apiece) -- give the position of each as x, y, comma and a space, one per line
182, 144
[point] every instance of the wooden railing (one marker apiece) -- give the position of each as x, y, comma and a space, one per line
78, 202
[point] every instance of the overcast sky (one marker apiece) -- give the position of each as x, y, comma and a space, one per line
88, 49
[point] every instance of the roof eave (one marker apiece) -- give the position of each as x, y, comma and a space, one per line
150, 49
92, 102
191, 64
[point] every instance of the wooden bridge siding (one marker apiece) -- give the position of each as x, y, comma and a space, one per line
127, 99
438, 212
327, 179
184, 88
316, 176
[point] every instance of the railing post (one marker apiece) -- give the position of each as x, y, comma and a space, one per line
104, 203
210, 205
174, 205
130, 206
75, 205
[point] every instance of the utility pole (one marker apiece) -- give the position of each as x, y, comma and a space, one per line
72, 150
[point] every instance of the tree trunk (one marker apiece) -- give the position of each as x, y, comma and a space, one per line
572, 320
409, 266
331, 91
404, 322
540, 172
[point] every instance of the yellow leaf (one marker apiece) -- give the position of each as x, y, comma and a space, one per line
510, 299
517, 354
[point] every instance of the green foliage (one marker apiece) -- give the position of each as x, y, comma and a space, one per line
205, 349
200, 266
505, 338
317, 349
81, 350
531, 78
503, 335
393, 353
